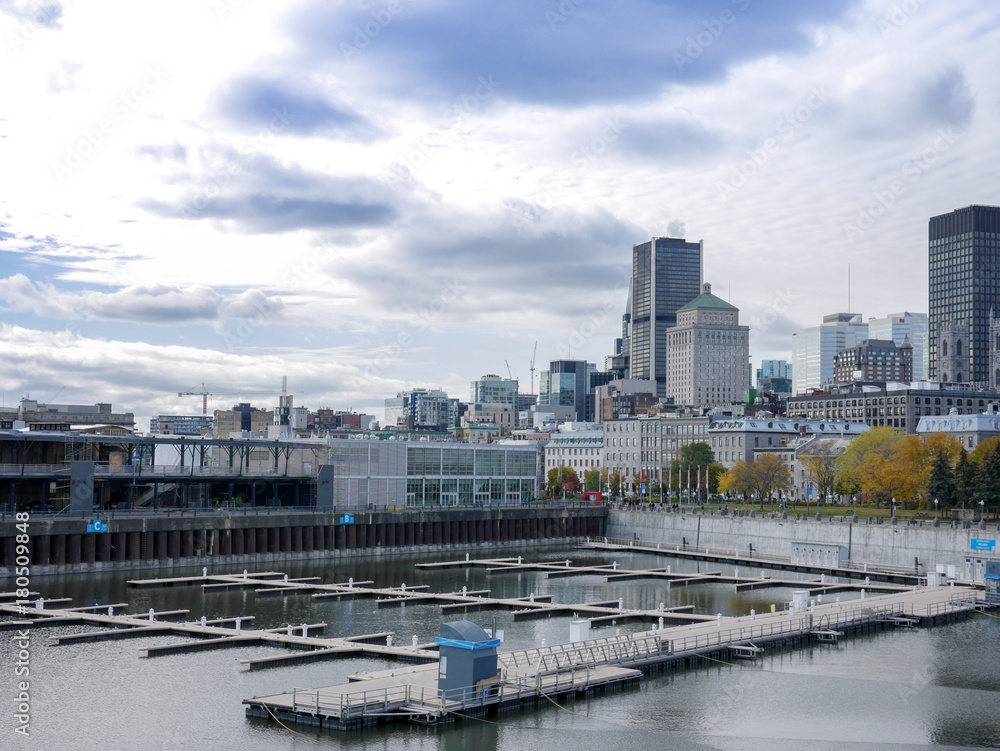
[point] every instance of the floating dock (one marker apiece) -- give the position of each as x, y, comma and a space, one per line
552, 673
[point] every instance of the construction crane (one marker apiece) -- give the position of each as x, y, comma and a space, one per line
533, 367
204, 393
510, 375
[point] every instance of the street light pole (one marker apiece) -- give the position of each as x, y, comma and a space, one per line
935, 509
893, 508
982, 509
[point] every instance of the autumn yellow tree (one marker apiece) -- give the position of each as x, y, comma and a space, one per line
768, 474
822, 471
735, 480
857, 467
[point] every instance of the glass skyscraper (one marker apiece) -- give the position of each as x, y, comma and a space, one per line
666, 275
964, 286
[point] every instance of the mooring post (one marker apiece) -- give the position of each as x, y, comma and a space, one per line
286, 578
152, 615
402, 587
531, 597
753, 614
244, 574
466, 556
111, 612
204, 622
305, 629
465, 591
661, 623
40, 603
718, 620
414, 641
239, 624
388, 640
288, 630
661, 607
204, 571
621, 604
350, 583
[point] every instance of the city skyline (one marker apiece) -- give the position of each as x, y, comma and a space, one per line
376, 198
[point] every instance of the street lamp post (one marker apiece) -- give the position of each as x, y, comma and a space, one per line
935, 509
982, 508
893, 508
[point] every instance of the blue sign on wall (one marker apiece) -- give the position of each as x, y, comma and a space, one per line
97, 526
347, 519
979, 544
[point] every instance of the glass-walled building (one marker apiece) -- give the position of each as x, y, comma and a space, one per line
390, 473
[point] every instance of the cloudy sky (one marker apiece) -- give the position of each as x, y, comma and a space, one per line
370, 196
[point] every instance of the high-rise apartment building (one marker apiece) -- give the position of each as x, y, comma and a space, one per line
874, 360
708, 353
900, 327
814, 349
964, 287
666, 275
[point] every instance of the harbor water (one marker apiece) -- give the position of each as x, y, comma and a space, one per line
905, 688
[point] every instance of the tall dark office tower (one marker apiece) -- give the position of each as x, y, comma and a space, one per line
666, 275
964, 276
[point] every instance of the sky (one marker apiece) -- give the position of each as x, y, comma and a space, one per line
367, 197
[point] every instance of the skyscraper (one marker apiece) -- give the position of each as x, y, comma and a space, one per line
964, 286
814, 349
666, 275
565, 384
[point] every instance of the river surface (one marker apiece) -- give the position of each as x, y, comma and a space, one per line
926, 687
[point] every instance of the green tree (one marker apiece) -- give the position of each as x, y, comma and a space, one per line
592, 480
965, 479
696, 456
715, 471
988, 480
941, 483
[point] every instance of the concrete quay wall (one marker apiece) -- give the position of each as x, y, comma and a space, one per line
144, 542
885, 544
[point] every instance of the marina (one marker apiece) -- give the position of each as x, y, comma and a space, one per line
553, 673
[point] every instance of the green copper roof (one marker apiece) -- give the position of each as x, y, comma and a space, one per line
708, 300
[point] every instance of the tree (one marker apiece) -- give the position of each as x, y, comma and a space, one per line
988, 479
872, 445
767, 474
736, 480
563, 478
965, 479
696, 456
941, 484
592, 480
822, 470
715, 471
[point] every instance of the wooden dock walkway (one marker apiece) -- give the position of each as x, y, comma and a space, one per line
529, 676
